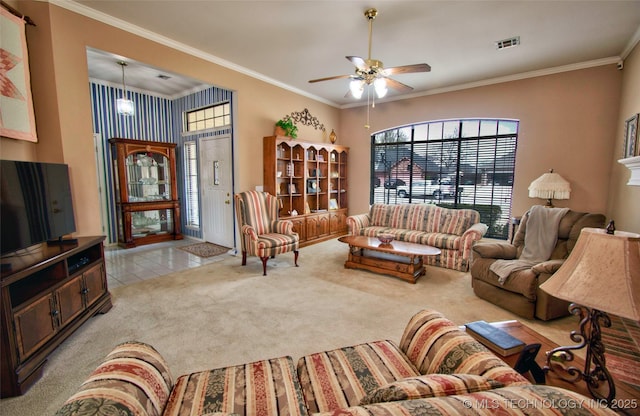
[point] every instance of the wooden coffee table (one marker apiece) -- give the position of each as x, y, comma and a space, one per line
399, 258
627, 398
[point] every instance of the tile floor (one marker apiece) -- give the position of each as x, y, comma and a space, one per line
127, 266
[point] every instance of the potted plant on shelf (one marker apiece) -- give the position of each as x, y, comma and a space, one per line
286, 127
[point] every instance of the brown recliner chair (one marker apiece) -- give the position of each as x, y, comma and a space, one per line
520, 292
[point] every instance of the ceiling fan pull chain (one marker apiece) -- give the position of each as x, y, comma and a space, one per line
366, 126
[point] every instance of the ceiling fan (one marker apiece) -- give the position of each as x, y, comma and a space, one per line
371, 71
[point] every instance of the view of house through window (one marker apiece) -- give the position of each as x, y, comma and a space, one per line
467, 163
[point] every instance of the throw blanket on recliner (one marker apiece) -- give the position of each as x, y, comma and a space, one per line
539, 240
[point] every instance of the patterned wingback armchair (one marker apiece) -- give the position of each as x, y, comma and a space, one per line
261, 232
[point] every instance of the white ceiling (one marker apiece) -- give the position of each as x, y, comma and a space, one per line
291, 42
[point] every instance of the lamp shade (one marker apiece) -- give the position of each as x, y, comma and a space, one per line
550, 186
125, 107
602, 272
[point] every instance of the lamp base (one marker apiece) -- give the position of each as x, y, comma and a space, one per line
549, 203
599, 381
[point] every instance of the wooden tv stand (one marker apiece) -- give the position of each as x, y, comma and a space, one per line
47, 293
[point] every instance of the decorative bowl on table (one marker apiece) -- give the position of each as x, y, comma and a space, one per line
386, 238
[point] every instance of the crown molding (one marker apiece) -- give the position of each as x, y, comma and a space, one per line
499, 80
632, 44
147, 34
163, 40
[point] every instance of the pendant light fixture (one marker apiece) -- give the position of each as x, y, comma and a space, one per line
124, 106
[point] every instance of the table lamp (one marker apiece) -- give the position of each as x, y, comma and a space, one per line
600, 276
550, 186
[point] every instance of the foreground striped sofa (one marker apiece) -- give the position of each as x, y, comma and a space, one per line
453, 231
436, 369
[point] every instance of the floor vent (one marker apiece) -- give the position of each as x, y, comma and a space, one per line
508, 43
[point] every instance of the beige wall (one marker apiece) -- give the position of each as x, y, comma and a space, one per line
572, 122
63, 111
624, 200
568, 122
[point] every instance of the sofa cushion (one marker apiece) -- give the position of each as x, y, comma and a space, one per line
430, 385
523, 282
379, 215
410, 216
455, 224
448, 241
373, 231
513, 400
267, 387
436, 345
133, 379
341, 378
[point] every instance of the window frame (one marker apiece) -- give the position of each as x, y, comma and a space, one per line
220, 110
442, 152
191, 181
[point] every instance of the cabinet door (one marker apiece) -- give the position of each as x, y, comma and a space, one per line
70, 300
323, 225
338, 221
35, 325
334, 223
312, 227
300, 228
94, 284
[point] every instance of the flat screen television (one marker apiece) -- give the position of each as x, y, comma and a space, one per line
35, 204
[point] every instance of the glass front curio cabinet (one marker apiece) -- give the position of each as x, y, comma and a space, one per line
148, 209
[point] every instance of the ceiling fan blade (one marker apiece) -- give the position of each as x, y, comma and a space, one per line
406, 69
330, 78
360, 63
398, 86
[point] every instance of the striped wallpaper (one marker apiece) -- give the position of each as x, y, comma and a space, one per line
157, 119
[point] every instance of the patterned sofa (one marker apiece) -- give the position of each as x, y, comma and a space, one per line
437, 369
453, 231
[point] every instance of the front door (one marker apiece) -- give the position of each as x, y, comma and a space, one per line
216, 182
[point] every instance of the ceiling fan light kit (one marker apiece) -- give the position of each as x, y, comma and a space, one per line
370, 71
356, 86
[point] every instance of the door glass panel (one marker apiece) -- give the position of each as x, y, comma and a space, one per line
148, 177
151, 222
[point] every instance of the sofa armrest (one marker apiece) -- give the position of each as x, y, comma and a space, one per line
357, 222
249, 231
436, 345
133, 379
504, 251
283, 227
476, 231
547, 267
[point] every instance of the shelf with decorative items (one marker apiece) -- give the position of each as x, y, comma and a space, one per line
148, 209
633, 164
310, 181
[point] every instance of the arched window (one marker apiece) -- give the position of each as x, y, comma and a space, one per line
466, 163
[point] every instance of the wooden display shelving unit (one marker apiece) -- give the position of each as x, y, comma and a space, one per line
146, 191
309, 179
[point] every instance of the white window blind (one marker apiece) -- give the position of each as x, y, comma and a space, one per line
466, 163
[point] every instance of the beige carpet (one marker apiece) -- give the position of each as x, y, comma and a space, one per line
223, 314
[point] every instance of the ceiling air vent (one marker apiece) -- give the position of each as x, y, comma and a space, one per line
508, 43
